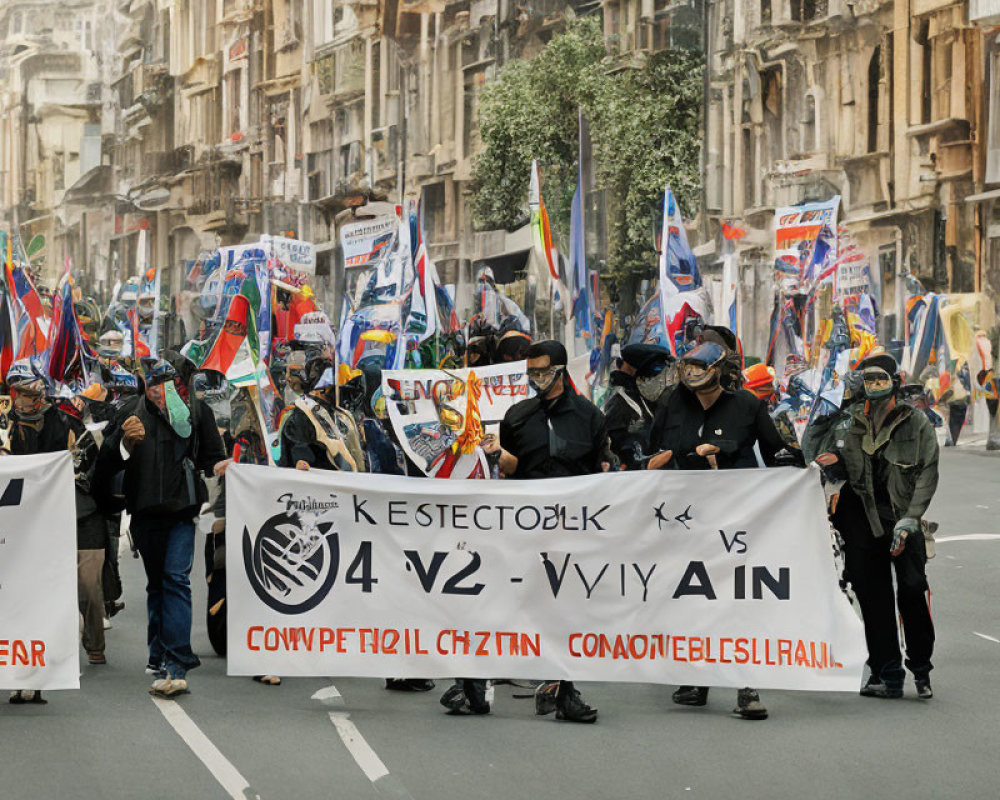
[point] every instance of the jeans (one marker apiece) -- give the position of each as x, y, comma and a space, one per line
167, 554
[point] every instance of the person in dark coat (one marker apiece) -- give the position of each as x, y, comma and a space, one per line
162, 448
643, 378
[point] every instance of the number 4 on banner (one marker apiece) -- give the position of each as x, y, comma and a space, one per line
363, 562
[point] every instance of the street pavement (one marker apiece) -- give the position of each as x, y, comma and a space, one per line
232, 737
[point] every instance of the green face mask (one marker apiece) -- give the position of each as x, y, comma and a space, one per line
177, 411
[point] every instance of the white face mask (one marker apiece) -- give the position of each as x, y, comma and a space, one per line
652, 388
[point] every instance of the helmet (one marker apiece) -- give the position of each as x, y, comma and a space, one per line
157, 371
759, 379
27, 390
121, 381
700, 368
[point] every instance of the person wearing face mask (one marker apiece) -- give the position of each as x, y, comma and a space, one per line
555, 434
315, 434
703, 425
883, 455
163, 446
644, 376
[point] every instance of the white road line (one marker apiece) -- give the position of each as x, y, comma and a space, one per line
222, 770
968, 537
987, 638
367, 758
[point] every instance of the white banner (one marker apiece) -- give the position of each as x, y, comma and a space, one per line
39, 628
702, 578
364, 243
434, 414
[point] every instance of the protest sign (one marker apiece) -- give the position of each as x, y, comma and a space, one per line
439, 416
702, 578
39, 629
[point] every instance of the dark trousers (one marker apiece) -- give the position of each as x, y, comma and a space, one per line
870, 568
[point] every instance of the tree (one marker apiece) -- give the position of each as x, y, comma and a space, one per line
644, 125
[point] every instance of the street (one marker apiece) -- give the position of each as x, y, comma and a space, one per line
306, 739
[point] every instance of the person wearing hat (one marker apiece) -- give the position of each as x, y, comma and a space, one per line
643, 377
705, 425
886, 455
162, 448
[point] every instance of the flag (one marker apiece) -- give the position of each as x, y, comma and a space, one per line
422, 315
66, 340
732, 232
152, 284
8, 332
681, 294
237, 329
582, 300
139, 348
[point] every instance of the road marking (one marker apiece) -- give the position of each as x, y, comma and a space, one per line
329, 695
987, 638
385, 783
968, 537
236, 786
362, 752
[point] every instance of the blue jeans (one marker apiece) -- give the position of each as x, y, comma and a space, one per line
167, 554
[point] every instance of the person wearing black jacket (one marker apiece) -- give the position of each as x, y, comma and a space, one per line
162, 447
703, 425
555, 434
37, 426
643, 378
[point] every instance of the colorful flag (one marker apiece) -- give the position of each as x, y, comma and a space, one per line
237, 329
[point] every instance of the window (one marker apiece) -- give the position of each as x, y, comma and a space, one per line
16, 22
923, 42
993, 129
874, 77
810, 144
765, 12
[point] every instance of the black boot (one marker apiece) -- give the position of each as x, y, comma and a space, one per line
690, 695
570, 706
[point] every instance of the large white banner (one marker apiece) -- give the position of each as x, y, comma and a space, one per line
39, 628
440, 416
704, 578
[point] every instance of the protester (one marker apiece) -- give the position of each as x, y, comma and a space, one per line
163, 447
703, 425
316, 434
555, 434
38, 426
886, 454
644, 376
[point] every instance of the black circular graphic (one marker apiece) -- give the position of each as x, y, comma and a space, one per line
290, 566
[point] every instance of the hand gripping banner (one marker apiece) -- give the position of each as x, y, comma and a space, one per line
703, 578
39, 628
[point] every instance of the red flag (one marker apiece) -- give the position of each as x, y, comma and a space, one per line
228, 342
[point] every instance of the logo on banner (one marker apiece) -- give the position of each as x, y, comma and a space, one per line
292, 563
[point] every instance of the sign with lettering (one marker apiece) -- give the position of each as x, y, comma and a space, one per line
702, 578
440, 416
39, 629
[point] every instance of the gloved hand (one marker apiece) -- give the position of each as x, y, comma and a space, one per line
904, 528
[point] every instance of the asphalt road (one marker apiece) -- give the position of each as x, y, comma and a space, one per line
232, 737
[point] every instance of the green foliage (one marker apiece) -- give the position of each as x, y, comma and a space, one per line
644, 125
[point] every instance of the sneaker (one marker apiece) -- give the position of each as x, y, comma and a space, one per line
877, 688
748, 705
924, 690
465, 697
408, 685
690, 695
156, 669
107, 624
96, 658
168, 687
546, 695
570, 707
